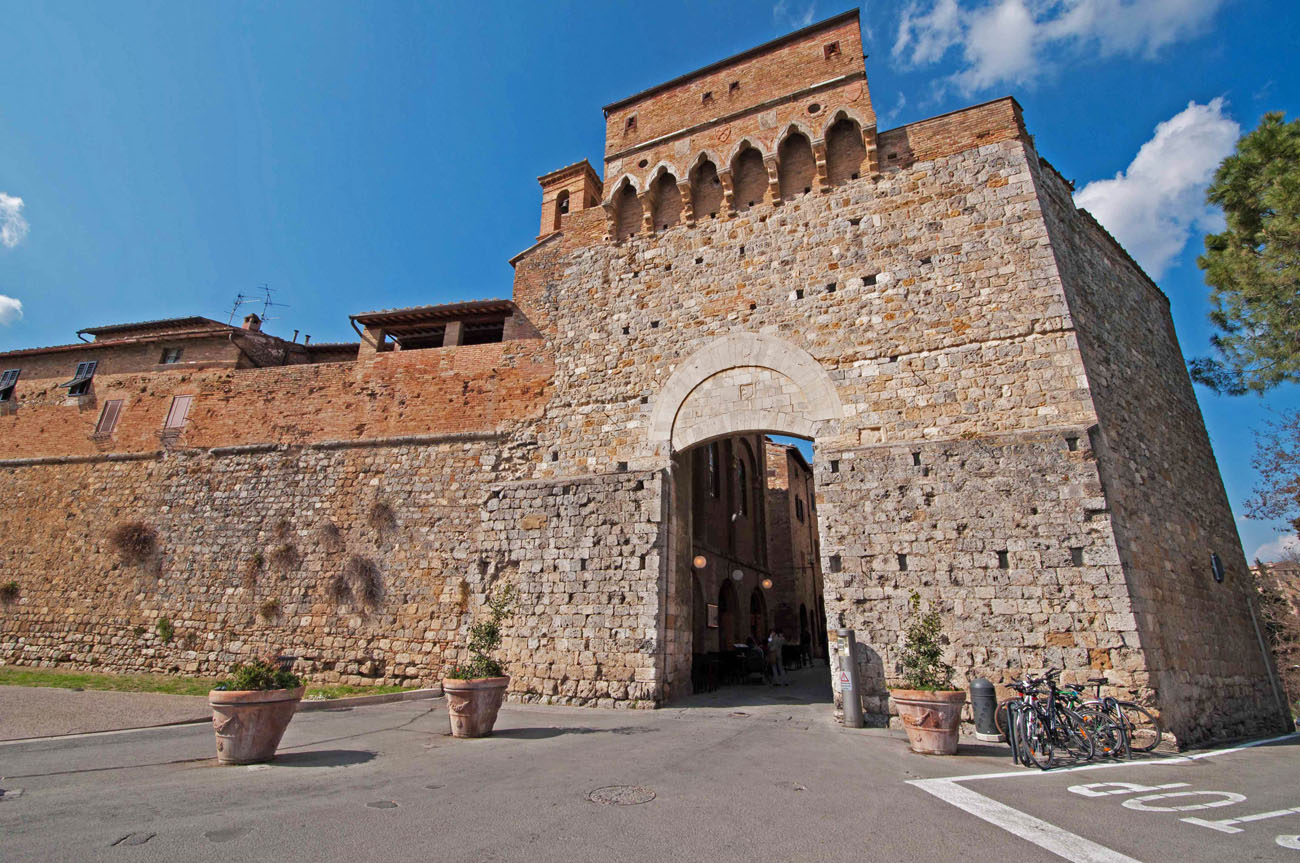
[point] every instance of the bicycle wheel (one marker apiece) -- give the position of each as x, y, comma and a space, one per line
1107, 734
1035, 742
1001, 716
1142, 728
1074, 735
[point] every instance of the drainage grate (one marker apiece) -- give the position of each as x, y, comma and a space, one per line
621, 795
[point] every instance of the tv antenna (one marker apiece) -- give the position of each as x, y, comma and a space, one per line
264, 295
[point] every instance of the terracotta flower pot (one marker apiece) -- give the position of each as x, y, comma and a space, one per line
250, 722
931, 718
473, 704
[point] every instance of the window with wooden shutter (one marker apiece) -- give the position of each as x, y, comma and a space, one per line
80, 383
8, 380
108, 418
180, 410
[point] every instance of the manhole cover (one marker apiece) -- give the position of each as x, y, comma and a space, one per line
621, 795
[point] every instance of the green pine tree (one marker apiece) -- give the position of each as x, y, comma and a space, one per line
1253, 267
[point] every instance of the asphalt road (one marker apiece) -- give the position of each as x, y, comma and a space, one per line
723, 781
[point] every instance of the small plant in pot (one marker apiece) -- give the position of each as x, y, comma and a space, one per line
475, 689
251, 710
930, 709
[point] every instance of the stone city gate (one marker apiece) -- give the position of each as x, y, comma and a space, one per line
738, 384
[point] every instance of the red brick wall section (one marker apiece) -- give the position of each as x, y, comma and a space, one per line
789, 68
468, 388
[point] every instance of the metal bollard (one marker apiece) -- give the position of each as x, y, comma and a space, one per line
984, 704
849, 680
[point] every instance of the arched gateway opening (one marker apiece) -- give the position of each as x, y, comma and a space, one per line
738, 421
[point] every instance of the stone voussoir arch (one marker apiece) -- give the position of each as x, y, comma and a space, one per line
814, 401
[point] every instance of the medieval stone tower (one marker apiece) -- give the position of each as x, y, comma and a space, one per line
1001, 415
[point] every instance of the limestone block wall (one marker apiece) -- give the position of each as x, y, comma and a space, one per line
585, 555
251, 545
1007, 536
1209, 675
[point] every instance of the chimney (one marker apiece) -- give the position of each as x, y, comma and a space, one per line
253, 323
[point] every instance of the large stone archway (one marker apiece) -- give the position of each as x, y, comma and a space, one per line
744, 382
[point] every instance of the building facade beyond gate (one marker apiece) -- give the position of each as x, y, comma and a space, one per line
1001, 416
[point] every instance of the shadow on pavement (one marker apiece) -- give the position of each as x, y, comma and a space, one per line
541, 733
324, 758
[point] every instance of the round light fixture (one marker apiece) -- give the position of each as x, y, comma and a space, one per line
700, 561
737, 575
767, 584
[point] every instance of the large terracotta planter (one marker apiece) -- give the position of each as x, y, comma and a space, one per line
250, 722
473, 704
931, 718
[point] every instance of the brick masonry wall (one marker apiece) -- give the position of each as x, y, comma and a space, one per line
1208, 674
443, 390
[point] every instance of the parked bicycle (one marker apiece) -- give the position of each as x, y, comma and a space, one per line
1141, 729
1042, 730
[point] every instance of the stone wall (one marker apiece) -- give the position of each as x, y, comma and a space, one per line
1208, 673
1007, 536
585, 554
252, 544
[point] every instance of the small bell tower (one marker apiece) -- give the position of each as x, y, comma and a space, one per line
565, 191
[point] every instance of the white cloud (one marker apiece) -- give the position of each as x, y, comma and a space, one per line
13, 227
1271, 552
10, 310
1153, 206
1015, 41
795, 19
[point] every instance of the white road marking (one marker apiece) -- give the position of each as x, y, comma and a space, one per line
1143, 804
1061, 842
1057, 840
1225, 825
1094, 789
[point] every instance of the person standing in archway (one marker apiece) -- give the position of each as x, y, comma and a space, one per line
775, 641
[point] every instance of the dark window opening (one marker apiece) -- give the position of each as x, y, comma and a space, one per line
742, 478
108, 418
80, 383
902, 563
1072, 443
836, 563
831, 50
562, 203
867, 281
170, 356
630, 125
916, 458
798, 293
483, 333
1004, 561
431, 338
715, 479
733, 88
798, 508
830, 289
1076, 555
707, 98
835, 465
8, 380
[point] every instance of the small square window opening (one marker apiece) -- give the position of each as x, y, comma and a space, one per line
831, 50
170, 356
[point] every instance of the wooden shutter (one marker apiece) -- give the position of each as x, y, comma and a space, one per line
108, 417
179, 412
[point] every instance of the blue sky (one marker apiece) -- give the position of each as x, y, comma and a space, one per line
156, 159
